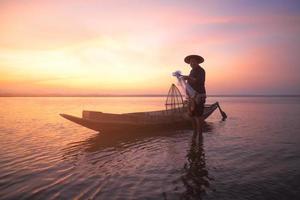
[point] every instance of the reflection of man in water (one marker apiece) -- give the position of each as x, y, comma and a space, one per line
195, 178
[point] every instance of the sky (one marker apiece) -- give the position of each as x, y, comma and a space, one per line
132, 47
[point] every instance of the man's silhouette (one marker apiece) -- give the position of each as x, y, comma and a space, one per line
196, 79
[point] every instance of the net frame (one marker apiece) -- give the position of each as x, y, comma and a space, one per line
174, 101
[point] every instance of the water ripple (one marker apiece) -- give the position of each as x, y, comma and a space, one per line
252, 155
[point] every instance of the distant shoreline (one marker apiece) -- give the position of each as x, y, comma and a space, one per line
142, 95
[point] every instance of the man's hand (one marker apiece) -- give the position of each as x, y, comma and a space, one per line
185, 77
189, 78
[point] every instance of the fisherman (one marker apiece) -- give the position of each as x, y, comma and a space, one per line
196, 80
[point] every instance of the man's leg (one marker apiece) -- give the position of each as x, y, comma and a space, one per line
200, 118
195, 126
200, 122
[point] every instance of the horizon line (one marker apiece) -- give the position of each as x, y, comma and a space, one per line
142, 95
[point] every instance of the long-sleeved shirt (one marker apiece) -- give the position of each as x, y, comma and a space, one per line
198, 73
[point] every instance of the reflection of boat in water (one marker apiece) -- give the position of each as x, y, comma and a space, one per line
107, 153
99, 142
154, 120
195, 178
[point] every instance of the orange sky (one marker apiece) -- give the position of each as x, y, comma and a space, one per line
107, 47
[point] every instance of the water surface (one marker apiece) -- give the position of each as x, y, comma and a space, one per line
254, 154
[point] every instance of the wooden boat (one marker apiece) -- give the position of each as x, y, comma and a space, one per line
176, 118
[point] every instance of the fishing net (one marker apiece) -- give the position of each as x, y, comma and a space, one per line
188, 90
174, 102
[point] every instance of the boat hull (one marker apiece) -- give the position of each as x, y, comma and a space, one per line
143, 121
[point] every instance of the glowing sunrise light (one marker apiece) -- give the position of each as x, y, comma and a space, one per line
120, 48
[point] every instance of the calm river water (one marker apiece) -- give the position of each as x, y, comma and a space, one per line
254, 154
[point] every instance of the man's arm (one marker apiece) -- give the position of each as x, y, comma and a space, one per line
189, 78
